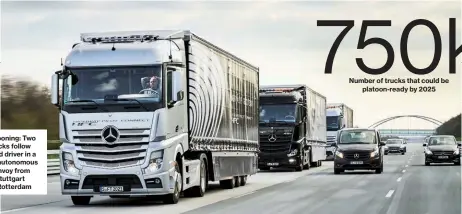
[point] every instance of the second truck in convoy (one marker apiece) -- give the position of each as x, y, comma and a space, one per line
339, 116
154, 113
292, 127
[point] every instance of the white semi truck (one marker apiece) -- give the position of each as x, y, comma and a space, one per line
339, 116
154, 113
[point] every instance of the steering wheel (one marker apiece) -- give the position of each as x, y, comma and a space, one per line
148, 89
289, 117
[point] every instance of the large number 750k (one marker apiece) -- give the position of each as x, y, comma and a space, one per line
363, 43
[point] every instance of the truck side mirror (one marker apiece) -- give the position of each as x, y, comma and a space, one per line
424, 144
180, 95
55, 90
382, 143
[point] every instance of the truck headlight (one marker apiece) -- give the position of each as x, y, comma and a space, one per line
375, 153
428, 152
456, 152
292, 153
69, 164
155, 162
339, 154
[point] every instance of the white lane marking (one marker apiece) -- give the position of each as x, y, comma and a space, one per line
390, 193
245, 194
290, 180
15, 210
404, 170
399, 179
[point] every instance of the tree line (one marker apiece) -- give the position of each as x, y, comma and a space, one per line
25, 104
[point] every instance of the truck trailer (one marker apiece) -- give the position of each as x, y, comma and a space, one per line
154, 113
339, 116
292, 127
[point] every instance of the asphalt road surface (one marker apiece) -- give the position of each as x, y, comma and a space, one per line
406, 186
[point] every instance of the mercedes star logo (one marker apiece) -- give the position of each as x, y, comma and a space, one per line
356, 156
272, 138
110, 134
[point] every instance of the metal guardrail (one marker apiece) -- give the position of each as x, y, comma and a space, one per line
53, 164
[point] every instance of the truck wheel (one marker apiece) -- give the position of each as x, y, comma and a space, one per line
199, 191
81, 200
227, 184
337, 171
243, 180
300, 167
320, 163
175, 196
237, 181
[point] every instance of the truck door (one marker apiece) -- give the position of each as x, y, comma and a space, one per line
175, 102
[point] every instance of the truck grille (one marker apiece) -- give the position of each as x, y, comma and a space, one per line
362, 155
281, 145
129, 150
330, 140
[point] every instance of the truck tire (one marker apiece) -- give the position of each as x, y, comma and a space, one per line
227, 184
237, 181
81, 200
199, 191
243, 180
300, 166
174, 197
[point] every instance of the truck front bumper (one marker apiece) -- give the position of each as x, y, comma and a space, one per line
278, 160
132, 179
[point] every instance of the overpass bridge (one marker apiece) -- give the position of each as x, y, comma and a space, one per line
407, 132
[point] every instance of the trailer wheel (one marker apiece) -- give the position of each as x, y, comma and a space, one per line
237, 181
81, 200
175, 196
199, 191
243, 180
227, 184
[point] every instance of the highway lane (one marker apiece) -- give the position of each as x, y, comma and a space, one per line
54, 202
406, 186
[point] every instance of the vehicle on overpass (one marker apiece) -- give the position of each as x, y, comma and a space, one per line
191, 123
442, 149
339, 116
292, 127
396, 145
358, 149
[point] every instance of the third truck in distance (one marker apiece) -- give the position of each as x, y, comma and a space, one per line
339, 116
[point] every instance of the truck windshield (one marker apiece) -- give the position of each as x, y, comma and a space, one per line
357, 137
332, 123
277, 113
122, 84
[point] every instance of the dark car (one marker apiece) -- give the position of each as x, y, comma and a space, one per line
358, 149
442, 149
395, 146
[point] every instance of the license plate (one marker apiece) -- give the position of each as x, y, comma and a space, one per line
443, 157
112, 189
273, 164
356, 162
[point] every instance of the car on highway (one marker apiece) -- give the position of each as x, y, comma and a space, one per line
358, 149
442, 149
395, 145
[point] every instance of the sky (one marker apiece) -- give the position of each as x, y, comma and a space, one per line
281, 38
